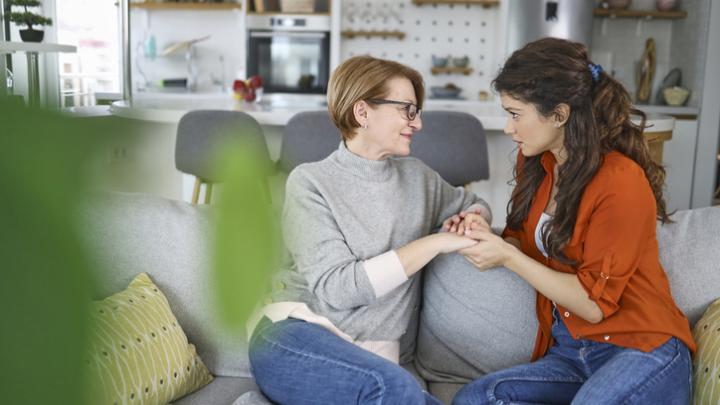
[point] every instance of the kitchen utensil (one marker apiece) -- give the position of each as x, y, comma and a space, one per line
676, 96
460, 62
673, 78
665, 5
618, 3
440, 62
182, 45
645, 72
445, 91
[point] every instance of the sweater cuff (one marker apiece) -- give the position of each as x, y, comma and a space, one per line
385, 272
484, 211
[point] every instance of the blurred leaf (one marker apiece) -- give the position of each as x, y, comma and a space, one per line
246, 239
45, 282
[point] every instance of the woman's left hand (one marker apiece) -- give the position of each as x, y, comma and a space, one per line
491, 251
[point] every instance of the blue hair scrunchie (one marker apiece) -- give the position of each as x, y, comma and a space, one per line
595, 71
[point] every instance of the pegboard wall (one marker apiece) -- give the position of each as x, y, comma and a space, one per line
442, 30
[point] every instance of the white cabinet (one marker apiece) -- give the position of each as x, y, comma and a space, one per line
679, 162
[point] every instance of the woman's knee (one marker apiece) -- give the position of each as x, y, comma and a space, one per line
393, 385
474, 393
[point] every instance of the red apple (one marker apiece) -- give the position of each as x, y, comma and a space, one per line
256, 81
239, 86
250, 95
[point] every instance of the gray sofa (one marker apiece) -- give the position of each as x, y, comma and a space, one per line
471, 323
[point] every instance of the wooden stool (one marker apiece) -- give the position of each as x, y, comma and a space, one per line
655, 142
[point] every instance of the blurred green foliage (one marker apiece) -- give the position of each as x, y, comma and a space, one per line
44, 290
46, 283
246, 232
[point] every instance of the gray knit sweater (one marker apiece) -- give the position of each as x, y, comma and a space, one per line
346, 209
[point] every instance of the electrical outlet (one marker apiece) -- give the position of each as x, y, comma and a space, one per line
119, 154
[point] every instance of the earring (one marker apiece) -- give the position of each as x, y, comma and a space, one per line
365, 126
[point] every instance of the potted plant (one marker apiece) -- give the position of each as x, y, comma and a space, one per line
28, 19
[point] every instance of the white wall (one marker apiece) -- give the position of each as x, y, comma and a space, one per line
440, 30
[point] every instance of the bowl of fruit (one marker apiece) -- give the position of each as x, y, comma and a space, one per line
248, 90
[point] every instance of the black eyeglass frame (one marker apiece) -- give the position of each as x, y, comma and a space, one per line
418, 110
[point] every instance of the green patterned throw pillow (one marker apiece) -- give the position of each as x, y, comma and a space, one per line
706, 376
138, 353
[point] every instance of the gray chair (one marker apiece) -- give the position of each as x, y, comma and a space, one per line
307, 137
202, 133
451, 143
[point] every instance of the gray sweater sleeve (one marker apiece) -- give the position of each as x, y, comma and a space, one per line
451, 200
321, 255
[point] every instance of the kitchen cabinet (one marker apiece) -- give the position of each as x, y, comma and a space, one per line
679, 161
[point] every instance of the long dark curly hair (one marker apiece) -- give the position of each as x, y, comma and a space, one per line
547, 73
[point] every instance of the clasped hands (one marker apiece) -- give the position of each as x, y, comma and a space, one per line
489, 251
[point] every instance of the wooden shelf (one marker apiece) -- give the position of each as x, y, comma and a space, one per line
648, 14
352, 34
447, 70
274, 7
284, 13
186, 6
484, 3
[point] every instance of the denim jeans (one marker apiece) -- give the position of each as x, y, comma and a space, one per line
296, 362
586, 372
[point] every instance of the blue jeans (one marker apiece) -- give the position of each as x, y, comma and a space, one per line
585, 372
296, 362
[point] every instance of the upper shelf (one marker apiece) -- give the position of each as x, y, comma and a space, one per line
352, 34
186, 6
649, 14
484, 3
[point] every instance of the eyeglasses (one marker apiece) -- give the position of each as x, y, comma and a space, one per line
412, 111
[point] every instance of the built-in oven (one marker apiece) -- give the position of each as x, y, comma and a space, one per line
290, 53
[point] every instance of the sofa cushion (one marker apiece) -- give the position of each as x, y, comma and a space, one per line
222, 391
445, 392
472, 322
131, 233
689, 253
706, 376
476, 322
138, 350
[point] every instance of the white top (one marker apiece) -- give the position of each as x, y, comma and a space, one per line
170, 107
10, 47
544, 218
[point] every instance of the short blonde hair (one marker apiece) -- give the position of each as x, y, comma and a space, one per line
362, 78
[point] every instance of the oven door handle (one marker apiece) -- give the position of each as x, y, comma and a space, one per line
287, 34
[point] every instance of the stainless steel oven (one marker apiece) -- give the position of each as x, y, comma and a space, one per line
290, 53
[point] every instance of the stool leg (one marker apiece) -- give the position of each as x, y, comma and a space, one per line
208, 192
196, 191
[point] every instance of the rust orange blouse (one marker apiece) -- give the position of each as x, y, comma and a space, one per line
615, 244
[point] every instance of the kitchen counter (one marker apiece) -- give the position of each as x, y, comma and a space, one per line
170, 107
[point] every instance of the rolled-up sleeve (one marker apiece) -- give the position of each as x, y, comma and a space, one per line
621, 225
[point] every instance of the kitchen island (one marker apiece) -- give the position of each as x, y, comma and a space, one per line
163, 111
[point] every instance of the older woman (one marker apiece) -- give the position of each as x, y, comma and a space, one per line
358, 226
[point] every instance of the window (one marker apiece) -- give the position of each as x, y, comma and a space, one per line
94, 27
